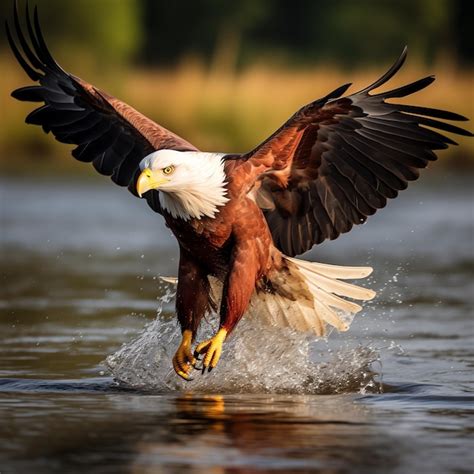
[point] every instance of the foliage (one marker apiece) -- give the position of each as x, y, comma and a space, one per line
232, 34
346, 32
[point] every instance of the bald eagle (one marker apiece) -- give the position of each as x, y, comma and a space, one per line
239, 219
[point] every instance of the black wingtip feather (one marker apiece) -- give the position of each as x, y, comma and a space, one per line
444, 126
24, 44
32, 74
36, 117
31, 33
29, 94
408, 89
389, 74
43, 49
338, 92
429, 112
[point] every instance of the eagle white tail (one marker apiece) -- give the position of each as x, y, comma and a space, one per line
306, 296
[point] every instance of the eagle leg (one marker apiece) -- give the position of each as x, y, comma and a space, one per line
183, 360
192, 302
211, 350
237, 290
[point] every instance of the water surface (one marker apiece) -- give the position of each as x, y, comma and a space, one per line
80, 278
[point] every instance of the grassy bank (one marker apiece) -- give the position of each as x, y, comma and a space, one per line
217, 111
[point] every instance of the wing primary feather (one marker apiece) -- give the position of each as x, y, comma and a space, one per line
79, 153
29, 94
83, 136
384, 176
31, 33
317, 231
337, 92
407, 89
389, 74
366, 184
349, 192
35, 117
121, 152
444, 126
91, 151
35, 62
429, 112
32, 74
126, 168
348, 208
86, 123
362, 189
321, 213
388, 174
43, 51
100, 144
359, 166
46, 115
53, 96
309, 228
115, 156
398, 145
383, 142
382, 150
333, 201
406, 131
67, 106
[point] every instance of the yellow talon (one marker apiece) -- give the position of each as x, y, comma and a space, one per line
212, 348
184, 360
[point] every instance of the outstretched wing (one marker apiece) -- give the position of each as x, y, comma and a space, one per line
338, 160
110, 134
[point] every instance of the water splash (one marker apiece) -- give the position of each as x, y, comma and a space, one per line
256, 359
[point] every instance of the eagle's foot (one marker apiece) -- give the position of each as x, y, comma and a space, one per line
211, 349
183, 360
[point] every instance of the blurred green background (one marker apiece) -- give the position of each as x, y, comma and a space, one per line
226, 74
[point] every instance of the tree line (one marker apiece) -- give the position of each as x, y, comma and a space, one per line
302, 32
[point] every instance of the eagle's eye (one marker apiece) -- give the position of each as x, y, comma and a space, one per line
168, 169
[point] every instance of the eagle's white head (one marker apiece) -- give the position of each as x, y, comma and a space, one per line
192, 184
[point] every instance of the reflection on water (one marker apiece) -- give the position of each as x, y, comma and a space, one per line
263, 432
79, 279
200, 432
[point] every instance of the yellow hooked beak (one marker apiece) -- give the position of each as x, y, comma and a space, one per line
149, 179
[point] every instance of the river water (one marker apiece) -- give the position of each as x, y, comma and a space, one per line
87, 330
